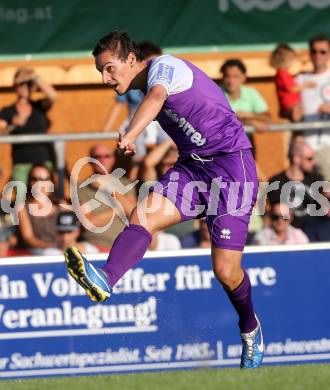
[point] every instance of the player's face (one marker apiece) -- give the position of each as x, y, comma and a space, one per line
233, 78
116, 73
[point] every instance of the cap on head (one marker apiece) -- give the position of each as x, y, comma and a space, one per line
67, 221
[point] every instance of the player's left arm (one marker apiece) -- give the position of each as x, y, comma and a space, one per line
144, 115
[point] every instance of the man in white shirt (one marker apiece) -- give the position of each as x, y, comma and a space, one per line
316, 101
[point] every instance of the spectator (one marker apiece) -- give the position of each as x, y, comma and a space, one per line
300, 176
159, 161
316, 101
162, 241
27, 116
317, 229
37, 219
288, 91
280, 231
8, 238
100, 216
249, 106
7, 241
68, 232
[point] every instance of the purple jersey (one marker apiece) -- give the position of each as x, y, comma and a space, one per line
196, 113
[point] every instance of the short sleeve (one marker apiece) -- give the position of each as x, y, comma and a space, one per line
170, 72
121, 98
258, 102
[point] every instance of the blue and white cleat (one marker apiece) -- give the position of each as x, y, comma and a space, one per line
91, 279
253, 348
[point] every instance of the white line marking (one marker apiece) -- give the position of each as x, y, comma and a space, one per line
157, 366
78, 332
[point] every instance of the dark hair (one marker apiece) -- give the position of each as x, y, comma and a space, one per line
117, 42
318, 38
149, 49
29, 196
233, 62
279, 54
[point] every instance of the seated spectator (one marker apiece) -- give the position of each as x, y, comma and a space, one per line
280, 231
7, 241
102, 185
8, 238
316, 103
37, 220
249, 106
301, 175
162, 241
28, 116
159, 161
317, 229
288, 91
68, 232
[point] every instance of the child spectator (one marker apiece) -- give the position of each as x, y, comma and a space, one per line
287, 89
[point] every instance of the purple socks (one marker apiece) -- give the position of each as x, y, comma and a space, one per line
241, 298
127, 250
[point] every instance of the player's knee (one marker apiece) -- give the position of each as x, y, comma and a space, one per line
148, 223
226, 274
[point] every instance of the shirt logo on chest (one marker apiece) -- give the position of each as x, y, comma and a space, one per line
194, 135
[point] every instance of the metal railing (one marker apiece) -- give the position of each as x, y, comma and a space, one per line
59, 141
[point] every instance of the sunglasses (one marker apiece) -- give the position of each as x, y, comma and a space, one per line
100, 156
276, 217
30, 84
40, 178
323, 52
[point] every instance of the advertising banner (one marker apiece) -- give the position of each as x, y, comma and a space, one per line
50, 26
167, 313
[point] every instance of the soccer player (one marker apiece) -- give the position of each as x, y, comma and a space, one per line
213, 150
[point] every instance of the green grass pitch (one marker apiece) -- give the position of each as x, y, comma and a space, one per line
300, 377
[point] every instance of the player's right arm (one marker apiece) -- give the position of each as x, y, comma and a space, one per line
144, 115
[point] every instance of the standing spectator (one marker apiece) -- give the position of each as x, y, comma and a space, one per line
280, 230
38, 228
316, 101
249, 106
288, 91
68, 232
28, 116
102, 214
301, 175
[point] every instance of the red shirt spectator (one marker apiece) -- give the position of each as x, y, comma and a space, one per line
285, 83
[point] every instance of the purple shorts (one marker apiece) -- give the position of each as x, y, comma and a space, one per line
222, 188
